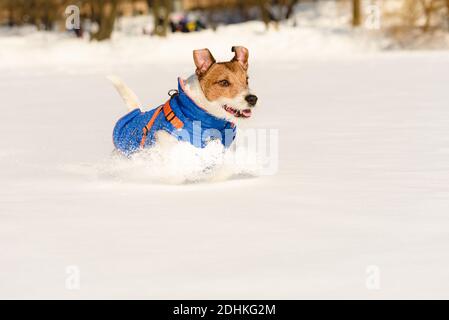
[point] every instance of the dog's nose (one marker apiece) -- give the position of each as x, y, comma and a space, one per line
251, 99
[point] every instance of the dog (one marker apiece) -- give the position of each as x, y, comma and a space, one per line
207, 106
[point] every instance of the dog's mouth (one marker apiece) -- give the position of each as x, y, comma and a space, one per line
246, 113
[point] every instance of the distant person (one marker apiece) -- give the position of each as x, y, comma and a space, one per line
186, 25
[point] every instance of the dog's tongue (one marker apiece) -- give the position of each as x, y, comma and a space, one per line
246, 113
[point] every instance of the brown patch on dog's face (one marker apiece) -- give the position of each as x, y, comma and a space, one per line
225, 79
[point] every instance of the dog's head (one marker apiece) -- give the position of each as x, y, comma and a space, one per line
225, 84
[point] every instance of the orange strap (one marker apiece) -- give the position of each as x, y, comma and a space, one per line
147, 128
171, 117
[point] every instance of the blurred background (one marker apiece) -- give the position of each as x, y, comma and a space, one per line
407, 23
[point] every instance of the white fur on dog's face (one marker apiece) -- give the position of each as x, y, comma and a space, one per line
217, 107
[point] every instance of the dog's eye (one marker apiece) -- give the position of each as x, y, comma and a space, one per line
224, 83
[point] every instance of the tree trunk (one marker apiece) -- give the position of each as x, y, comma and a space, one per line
290, 7
356, 13
161, 15
244, 9
428, 10
11, 21
447, 6
264, 12
104, 13
48, 17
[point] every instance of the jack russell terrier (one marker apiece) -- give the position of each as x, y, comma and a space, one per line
205, 107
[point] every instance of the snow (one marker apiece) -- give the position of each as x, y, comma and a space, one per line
362, 182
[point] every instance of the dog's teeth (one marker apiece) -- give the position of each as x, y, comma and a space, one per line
237, 113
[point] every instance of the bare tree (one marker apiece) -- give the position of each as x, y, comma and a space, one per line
161, 14
447, 11
264, 11
356, 13
428, 7
104, 13
290, 6
426, 14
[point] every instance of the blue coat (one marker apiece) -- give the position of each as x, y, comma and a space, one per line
180, 117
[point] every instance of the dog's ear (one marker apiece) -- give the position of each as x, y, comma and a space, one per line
203, 61
241, 55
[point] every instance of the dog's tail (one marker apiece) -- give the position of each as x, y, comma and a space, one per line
130, 98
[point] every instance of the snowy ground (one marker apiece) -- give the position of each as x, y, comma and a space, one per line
362, 184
